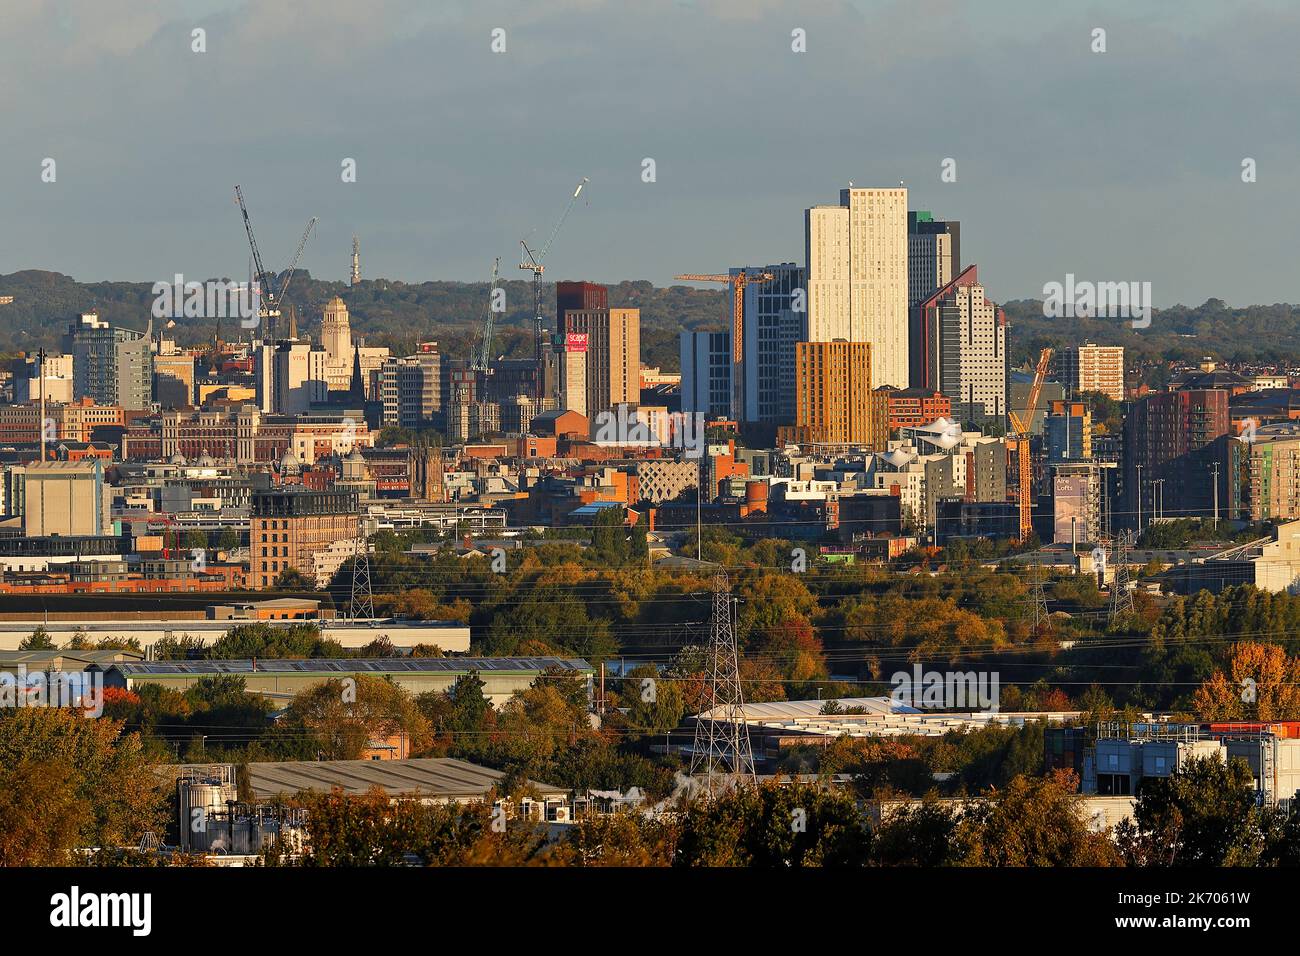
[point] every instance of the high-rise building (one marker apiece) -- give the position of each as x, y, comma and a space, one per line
856, 256
833, 403
1264, 475
959, 340
775, 319
1069, 432
571, 367
578, 297
706, 373
111, 365
933, 254
1172, 441
613, 356
63, 498
1091, 368
300, 377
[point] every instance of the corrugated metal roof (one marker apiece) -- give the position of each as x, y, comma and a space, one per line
377, 665
440, 777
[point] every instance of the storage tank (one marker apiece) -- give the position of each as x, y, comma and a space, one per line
202, 802
756, 495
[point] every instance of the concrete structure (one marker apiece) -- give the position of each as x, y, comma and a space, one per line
341, 351
282, 679
1175, 438
451, 638
1069, 431
1091, 368
62, 498
857, 258
776, 726
173, 379
429, 779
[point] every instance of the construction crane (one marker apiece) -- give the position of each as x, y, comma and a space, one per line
271, 298
1020, 428
482, 355
533, 262
738, 282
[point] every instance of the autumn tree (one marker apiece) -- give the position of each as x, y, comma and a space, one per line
1260, 684
90, 784
343, 716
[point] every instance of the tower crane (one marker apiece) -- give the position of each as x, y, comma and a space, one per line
272, 298
1020, 428
533, 262
738, 282
483, 349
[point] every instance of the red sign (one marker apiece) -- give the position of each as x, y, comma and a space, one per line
575, 342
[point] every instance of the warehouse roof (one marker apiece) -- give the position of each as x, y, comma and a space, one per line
434, 777
344, 665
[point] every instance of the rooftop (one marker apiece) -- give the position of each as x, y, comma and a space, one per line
438, 777
375, 665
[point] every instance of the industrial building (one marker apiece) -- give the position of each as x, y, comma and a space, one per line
1126, 754
279, 678
779, 725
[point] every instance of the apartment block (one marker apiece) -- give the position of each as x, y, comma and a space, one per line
1091, 368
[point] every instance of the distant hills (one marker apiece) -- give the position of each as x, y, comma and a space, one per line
400, 314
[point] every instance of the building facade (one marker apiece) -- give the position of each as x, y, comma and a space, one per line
288, 528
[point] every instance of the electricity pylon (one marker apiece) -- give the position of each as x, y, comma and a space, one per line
362, 605
1039, 617
1121, 597
722, 754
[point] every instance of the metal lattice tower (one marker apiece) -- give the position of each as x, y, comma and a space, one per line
722, 755
1039, 617
362, 605
1121, 597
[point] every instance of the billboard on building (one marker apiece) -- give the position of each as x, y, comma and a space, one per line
575, 342
1070, 497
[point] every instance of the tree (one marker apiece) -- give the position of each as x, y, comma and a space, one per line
117, 794
1261, 684
1032, 822
773, 826
39, 640
291, 579
923, 834
41, 816
344, 718
653, 704
1203, 814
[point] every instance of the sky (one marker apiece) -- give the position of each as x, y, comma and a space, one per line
1123, 165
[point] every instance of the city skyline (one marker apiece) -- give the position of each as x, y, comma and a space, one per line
460, 152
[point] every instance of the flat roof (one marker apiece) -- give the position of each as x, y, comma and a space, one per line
343, 665
440, 777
